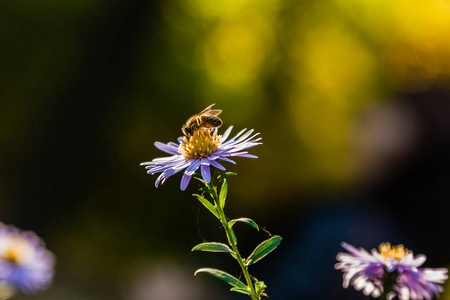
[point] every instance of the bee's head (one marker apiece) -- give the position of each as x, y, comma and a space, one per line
186, 130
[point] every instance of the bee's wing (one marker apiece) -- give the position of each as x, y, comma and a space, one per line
215, 112
208, 110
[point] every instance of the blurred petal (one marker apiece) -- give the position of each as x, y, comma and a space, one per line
31, 270
364, 270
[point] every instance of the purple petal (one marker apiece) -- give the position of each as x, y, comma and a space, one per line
33, 275
244, 154
193, 167
352, 249
227, 160
242, 138
166, 148
226, 134
233, 139
185, 181
217, 165
161, 164
417, 261
206, 174
158, 180
156, 169
215, 155
174, 145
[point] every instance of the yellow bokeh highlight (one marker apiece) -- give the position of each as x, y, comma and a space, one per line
333, 68
237, 37
322, 125
335, 62
421, 52
235, 53
230, 9
412, 38
218, 8
323, 60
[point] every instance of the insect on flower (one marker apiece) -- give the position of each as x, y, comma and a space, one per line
207, 118
202, 147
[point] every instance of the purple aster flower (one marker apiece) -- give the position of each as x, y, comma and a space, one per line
203, 149
392, 268
25, 264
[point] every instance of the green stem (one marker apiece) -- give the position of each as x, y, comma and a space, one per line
384, 294
231, 240
388, 280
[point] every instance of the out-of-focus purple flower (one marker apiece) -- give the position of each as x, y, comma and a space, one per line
202, 150
392, 268
25, 264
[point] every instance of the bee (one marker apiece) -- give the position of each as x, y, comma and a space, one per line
207, 118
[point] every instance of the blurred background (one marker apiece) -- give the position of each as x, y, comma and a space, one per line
351, 97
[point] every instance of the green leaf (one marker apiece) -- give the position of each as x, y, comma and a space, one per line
230, 279
233, 237
244, 220
263, 249
212, 247
223, 193
240, 290
199, 178
260, 287
208, 205
224, 175
206, 190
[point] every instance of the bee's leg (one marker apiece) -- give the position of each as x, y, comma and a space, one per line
198, 121
195, 125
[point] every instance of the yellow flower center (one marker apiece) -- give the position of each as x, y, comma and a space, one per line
395, 252
201, 144
17, 250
